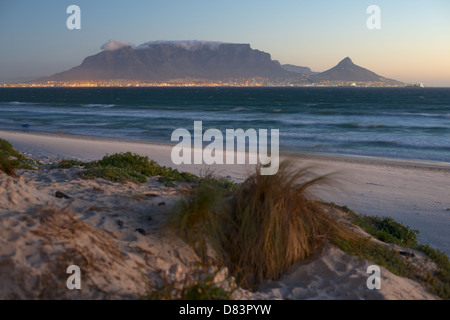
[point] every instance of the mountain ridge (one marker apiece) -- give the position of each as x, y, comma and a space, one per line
208, 60
165, 61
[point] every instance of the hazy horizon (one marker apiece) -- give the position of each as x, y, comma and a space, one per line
412, 45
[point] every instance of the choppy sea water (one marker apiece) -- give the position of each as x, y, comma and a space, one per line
405, 123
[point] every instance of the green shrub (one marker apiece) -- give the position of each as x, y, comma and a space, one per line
377, 253
128, 161
168, 182
10, 159
387, 229
129, 167
197, 290
114, 174
66, 164
440, 282
391, 231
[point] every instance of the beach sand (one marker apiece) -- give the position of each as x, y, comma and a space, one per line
415, 193
114, 232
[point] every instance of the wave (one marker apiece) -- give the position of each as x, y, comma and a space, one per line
416, 115
18, 103
299, 122
238, 109
355, 125
98, 105
401, 144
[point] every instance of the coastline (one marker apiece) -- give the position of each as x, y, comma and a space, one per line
336, 157
412, 192
101, 225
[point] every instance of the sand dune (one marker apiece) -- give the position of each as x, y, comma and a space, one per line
112, 231
415, 193
98, 231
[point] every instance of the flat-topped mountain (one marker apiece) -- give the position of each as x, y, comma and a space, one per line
176, 60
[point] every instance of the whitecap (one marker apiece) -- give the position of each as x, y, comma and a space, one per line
93, 105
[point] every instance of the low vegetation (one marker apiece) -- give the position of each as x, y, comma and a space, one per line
128, 167
11, 160
377, 253
204, 289
114, 174
390, 231
439, 282
386, 229
66, 164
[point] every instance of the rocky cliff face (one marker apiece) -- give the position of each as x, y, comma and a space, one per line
297, 69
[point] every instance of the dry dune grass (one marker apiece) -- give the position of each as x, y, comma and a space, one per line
66, 240
198, 217
82, 245
62, 224
267, 224
274, 224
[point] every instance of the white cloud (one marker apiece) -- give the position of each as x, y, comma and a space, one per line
115, 44
188, 45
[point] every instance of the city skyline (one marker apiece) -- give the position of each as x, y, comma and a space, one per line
411, 46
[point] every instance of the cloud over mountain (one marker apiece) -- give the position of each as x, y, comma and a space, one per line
189, 45
112, 45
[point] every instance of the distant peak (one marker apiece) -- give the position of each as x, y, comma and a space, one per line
346, 61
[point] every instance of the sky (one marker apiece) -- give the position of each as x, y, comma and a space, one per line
413, 44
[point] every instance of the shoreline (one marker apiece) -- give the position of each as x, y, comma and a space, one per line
338, 157
112, 231
414, 193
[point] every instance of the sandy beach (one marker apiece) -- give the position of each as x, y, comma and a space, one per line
117, 226
415, 193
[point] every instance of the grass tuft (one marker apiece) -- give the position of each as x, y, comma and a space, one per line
273, 224
11, 160
259, 228
197, 218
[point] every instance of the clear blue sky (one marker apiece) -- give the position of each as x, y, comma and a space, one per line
413, 44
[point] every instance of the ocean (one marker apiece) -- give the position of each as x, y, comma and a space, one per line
402, 123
